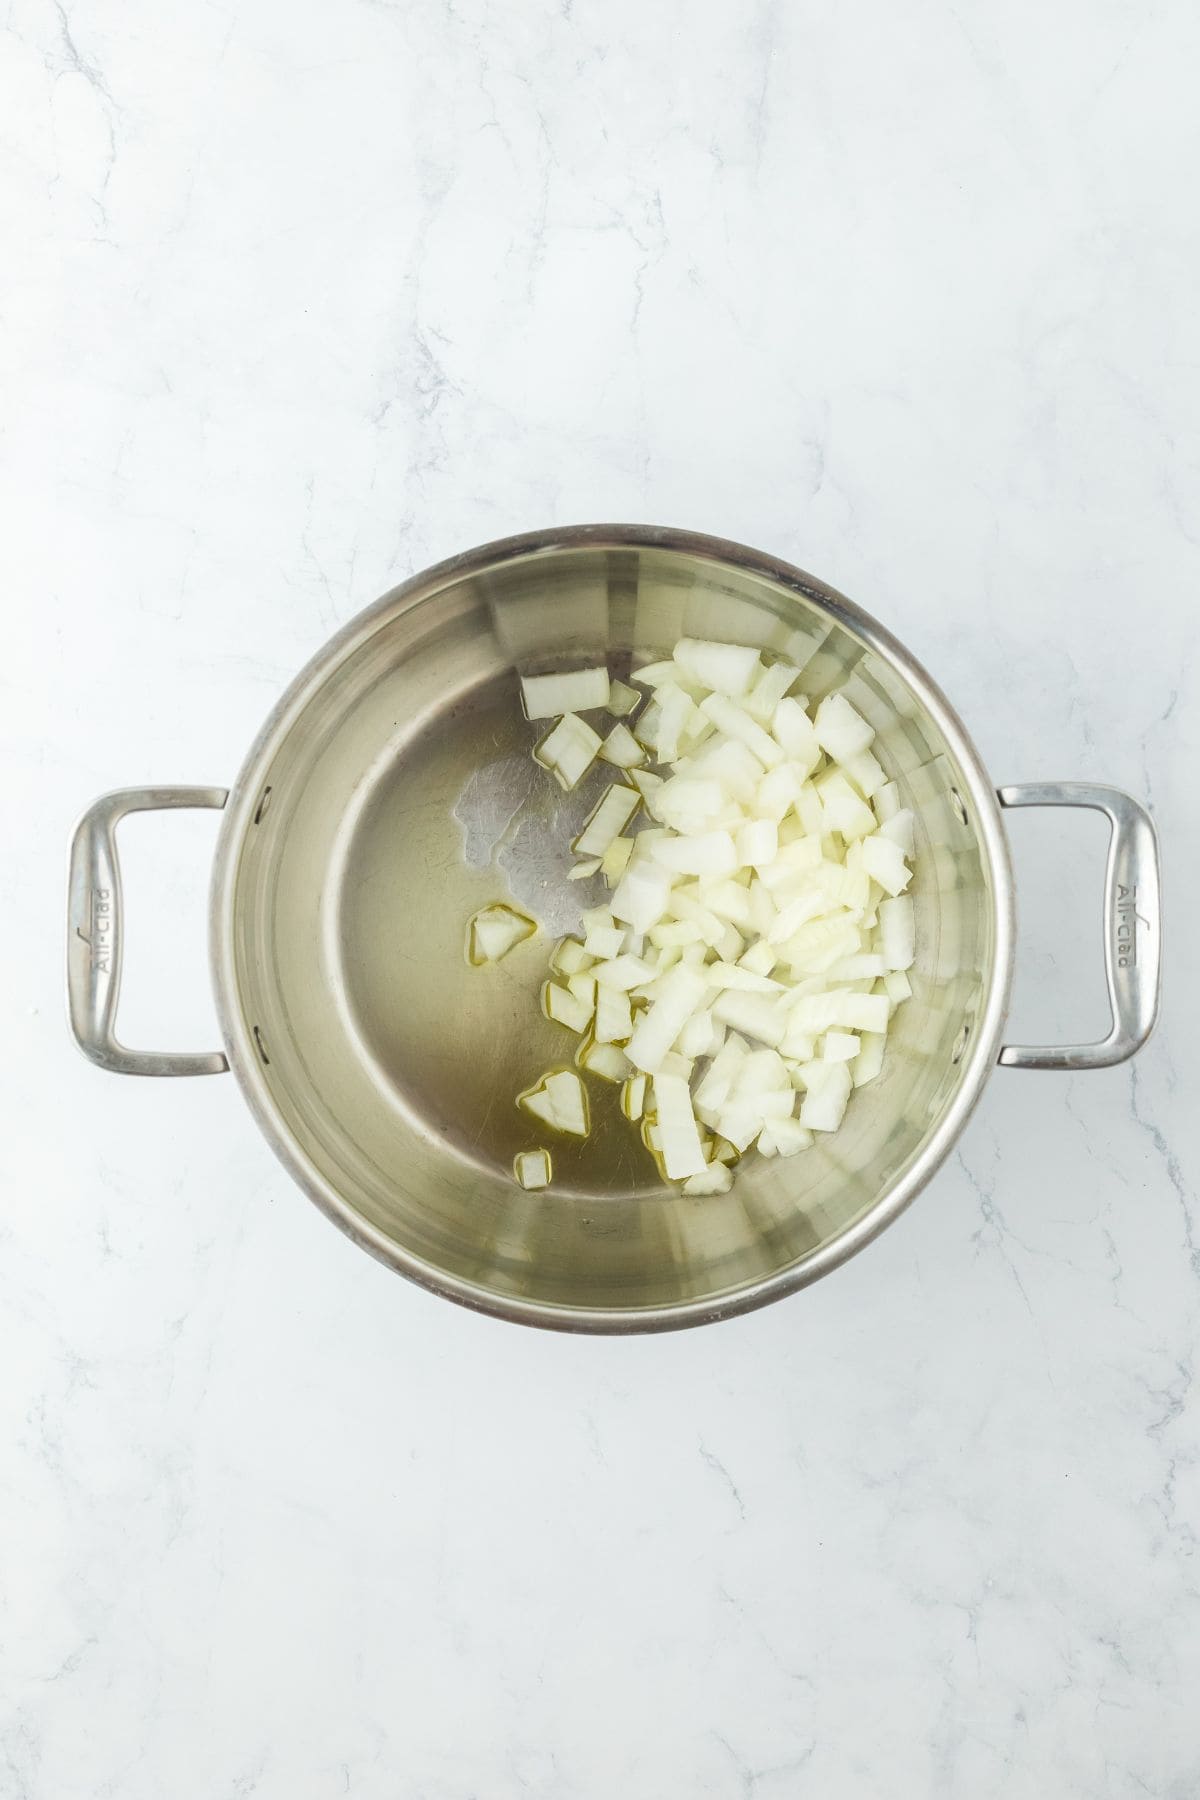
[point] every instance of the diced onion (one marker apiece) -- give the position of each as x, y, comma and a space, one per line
622, 699
683, 993
532, 1168
569, 750
560, 1099
570, 957
897, 932
561, 1005
824, 1103
622, 749
869, 1060
614, 1016
841, 731
717, 1178
605, 1060
725, 668
576, 690
615, 860
897, 986
681, 1150
494, 931
608, 820
740, 982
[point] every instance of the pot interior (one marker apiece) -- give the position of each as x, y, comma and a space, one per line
402, 797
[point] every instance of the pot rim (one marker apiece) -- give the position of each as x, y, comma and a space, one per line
236, 1031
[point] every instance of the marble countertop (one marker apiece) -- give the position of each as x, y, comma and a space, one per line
298, 299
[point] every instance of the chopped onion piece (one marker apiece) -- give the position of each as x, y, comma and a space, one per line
642, 894
897, 932
550, 696
754, 1014
614, 1016
886, 802
583, 871
658, 674
785, 1137
608, 820
884, 862
842, 809
689, 804
737, 975
622, 749
864, 967
622, 699
896, 985
736, 768
737, 724
794, 732
709, 853
839, 1046
633, 1097
606, 1061
698, 1036
570, 957
684, 991
778, 790
624, 972
493, 932
796, 913
864, 1012
729, 945
681, 1149
584, 988
769, 690
561, 1005
717, 1178
900, 829
648, 786
869, 1060
604, 942
760, 958
727, 900
645, 729
841, 731
532, 1168
615, 860
569, 751
757, 843
740, 1125
864, 771
560, 1099
828, 1089
725, 668
812, 1014
810, 811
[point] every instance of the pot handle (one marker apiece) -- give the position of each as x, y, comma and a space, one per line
94, 934
1132, 925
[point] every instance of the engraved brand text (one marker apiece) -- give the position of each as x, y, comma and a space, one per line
1128, 920
101, 927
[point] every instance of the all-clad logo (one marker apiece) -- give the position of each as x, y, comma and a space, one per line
98, 936
1128, 920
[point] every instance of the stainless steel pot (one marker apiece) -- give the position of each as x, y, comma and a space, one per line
391, 792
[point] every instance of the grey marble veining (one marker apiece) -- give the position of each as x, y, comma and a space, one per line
299, 298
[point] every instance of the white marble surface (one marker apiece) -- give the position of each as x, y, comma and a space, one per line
298, 298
